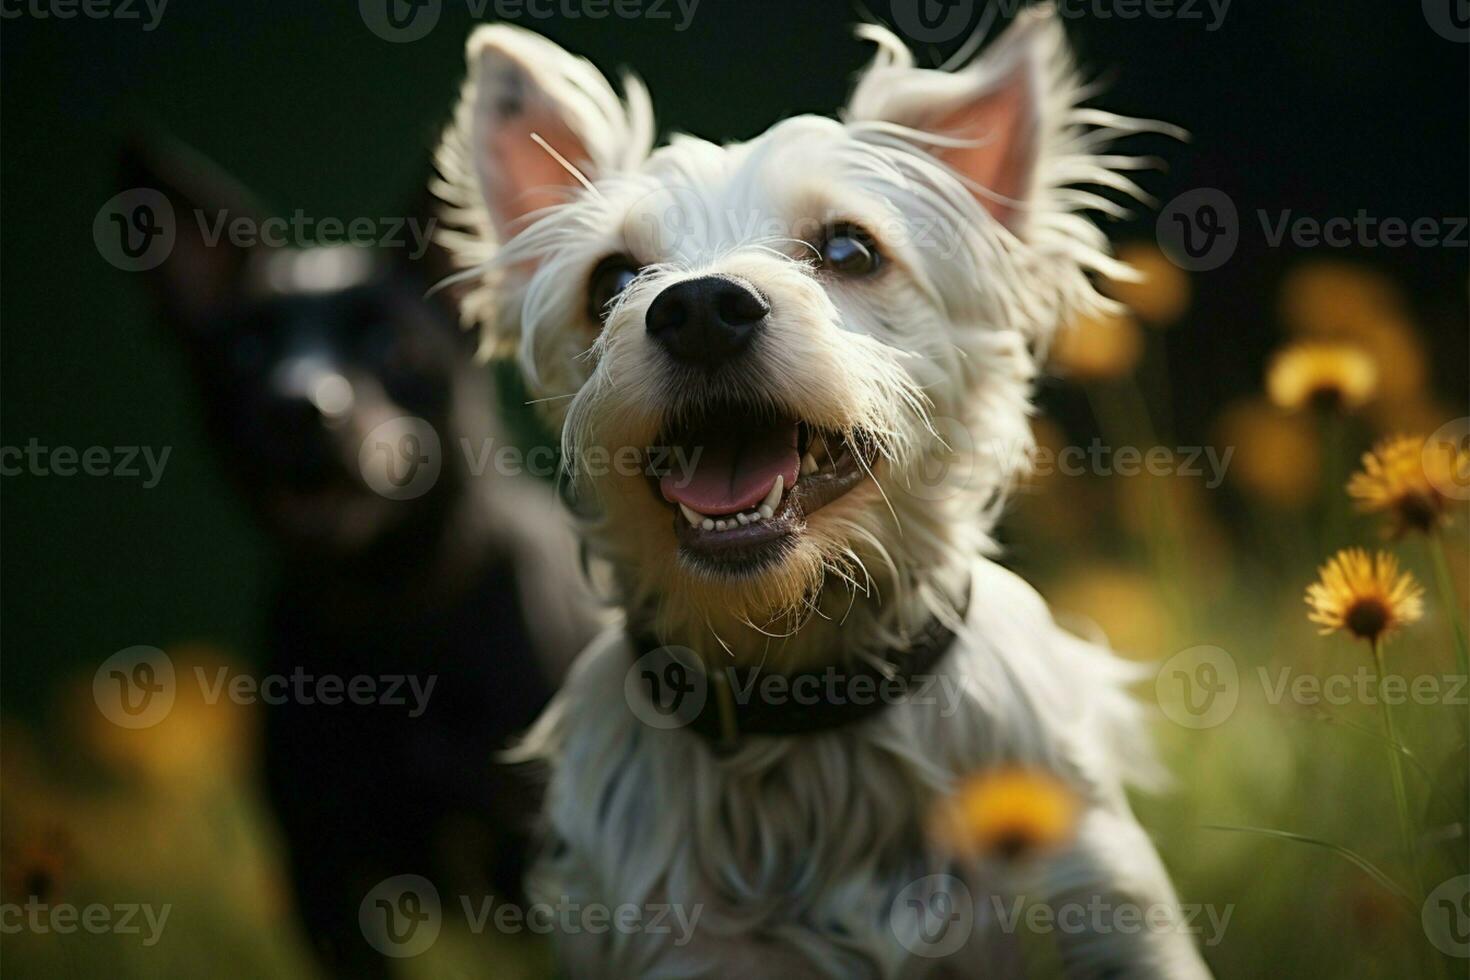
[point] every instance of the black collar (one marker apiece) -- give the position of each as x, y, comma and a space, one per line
726, 705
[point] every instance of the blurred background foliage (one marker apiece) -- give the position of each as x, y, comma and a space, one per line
1323, 110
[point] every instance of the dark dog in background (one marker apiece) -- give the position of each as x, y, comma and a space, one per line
326, 378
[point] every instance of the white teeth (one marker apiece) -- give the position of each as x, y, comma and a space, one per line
774, 497
729, 524
808, 464
762, 513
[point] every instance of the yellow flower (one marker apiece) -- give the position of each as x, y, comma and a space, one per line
1347, 303
1367, 597
1406, 478
1007, 813
1098, 347
1161, 296
198, 740
1326, 375
1278, 455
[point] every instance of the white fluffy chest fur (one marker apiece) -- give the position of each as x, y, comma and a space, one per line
789, 853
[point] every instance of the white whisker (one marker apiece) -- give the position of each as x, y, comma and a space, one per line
565, 164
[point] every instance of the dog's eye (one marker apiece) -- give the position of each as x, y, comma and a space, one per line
612, 275
850, 251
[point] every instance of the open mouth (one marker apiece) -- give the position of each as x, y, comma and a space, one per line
754, 477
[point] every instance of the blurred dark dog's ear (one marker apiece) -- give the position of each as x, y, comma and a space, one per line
204, 268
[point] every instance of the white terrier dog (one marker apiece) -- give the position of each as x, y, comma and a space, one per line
810, 322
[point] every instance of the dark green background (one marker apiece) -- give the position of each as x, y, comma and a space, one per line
1324, 108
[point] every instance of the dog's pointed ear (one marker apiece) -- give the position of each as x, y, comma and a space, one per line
203, 269
535, 117
985, 120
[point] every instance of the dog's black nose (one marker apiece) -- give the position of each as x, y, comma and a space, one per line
706, 321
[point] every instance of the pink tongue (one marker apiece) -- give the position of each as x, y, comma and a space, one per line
733, 470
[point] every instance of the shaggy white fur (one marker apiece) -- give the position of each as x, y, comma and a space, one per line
803, 853
798, 848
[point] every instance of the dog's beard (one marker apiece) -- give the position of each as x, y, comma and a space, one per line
855, 553
687, 601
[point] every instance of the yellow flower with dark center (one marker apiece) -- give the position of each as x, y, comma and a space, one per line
1010, 814
1337, 377
1367, 597
1406, 478
1343, 302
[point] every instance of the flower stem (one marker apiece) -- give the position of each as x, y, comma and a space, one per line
1334, 449
1450, 600
1396, 768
